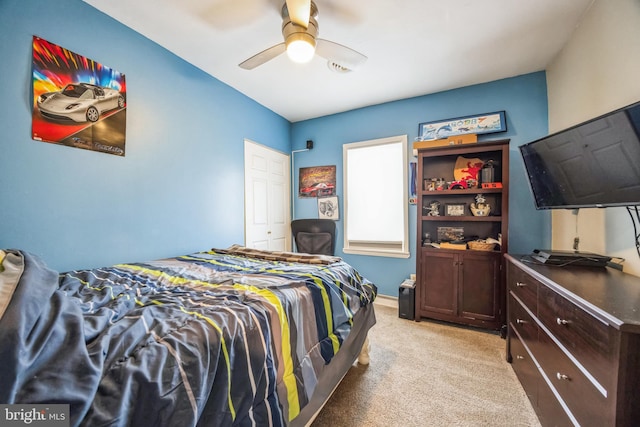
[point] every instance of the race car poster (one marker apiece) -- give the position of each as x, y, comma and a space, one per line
317, 181
77, 102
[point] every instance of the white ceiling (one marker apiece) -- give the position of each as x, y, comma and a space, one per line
414, 47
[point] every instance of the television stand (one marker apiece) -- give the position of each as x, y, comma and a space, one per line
573, 342
564, 258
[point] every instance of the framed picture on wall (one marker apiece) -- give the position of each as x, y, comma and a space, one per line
317, 181
328, 208
478, 124
77, 101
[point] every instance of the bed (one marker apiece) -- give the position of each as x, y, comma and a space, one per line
222, 337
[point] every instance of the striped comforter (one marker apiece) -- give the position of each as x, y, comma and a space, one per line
212, 338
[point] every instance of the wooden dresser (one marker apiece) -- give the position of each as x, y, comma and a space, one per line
574, 342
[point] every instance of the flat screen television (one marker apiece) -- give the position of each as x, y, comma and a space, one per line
593, 164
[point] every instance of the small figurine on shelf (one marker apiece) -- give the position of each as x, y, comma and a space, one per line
434, 208
480, 207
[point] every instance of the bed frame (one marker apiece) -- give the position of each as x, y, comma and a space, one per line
219, 337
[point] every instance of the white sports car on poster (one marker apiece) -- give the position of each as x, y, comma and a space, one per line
79, 102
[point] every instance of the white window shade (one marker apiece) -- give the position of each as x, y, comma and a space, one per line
376, 198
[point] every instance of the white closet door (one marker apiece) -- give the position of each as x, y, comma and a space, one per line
267, 186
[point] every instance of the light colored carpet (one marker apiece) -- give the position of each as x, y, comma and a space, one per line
429, 374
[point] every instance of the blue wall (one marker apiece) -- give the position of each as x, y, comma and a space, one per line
180, 186
523, 98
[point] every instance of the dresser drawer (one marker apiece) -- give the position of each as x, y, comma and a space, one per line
525, 369
550, 411
522, 322
589, 406
523, 286
584, 336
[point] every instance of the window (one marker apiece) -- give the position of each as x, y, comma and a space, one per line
376, 197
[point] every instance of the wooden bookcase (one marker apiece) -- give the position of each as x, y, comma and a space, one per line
462, 286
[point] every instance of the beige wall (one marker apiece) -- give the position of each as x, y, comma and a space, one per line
597, 72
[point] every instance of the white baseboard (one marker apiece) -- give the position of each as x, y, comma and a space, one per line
386, 301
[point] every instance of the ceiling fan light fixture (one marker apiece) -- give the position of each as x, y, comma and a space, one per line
301, 47
301, 43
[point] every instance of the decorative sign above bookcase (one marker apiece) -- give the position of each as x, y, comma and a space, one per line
476, 124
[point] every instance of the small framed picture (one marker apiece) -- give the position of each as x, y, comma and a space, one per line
428, 184
455, 209
328, 207
448, 234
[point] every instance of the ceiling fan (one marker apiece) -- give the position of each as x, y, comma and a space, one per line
300, 30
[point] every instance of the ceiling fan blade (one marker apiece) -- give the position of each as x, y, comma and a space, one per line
299, 11
341, 55
262, 57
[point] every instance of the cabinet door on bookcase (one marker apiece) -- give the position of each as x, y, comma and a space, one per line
439, 276
479, 282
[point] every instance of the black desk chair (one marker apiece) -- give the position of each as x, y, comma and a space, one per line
314, 236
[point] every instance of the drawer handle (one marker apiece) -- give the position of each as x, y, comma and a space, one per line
562, 376
520, 284
521, 321
519, 357
560, 321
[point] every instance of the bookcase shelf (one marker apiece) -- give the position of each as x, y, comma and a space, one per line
462, 218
